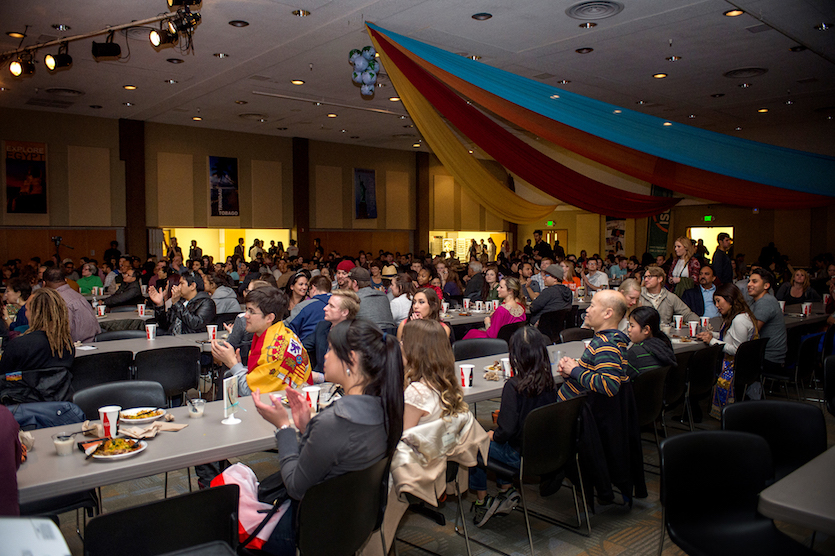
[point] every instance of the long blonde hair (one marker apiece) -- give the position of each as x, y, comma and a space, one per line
48, 312
429, 358
688, 247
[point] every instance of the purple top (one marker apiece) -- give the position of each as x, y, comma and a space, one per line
500, 317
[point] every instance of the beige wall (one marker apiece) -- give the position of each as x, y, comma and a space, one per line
453, 208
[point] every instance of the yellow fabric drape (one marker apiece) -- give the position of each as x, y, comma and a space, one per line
455, 157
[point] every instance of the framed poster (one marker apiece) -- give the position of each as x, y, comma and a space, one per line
25, 177
615, 232
365, 194
223, 186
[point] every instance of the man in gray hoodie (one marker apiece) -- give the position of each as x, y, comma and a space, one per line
374, 304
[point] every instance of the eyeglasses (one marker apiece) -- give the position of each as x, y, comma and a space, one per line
253, 313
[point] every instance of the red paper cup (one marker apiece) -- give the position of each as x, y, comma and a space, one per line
467, 376
694, 326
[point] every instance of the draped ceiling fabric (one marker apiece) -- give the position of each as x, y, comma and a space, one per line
682, 158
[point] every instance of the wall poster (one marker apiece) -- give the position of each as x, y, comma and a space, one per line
658, 226
223, 186
25, 177
615, 232
365, 194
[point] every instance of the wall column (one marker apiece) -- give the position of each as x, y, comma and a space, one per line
422, 200
301, 195
132, 153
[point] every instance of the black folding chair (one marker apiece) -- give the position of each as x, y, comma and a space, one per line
126, 394
506, 331
552, 324
120, 335
808, 359
176, 368
829, 383
748, 365
224, 318
675, 387
701, 376
479, 347
648, 388
99, 368
576, 334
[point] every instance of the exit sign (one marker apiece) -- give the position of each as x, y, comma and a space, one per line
549, 223
708, 218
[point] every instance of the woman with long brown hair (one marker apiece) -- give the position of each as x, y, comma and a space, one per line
426, 306
684, 265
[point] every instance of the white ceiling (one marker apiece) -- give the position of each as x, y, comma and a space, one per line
526, 37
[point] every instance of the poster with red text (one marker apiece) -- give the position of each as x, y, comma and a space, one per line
25, 177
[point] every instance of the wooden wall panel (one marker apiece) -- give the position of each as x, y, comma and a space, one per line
351, 242
88, 177
267, 194
24, 243
175, 189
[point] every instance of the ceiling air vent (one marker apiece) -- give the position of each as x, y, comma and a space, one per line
594, 9
62, 92
49, 102
259, 78
745, 73
544, 76
758, 28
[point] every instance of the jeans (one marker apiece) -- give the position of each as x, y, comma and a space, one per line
499, 451
282, 541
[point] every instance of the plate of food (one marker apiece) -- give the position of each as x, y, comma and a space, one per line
681, 340
141, 415
118, 448
495, 367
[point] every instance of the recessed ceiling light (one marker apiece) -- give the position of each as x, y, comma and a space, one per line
744, 85
281, 128
587, 25
483, 16
15, 34
394, 99
128, 103
402, 117
762, 110
737, 128
641, 102
798, 48
673, 58
221, 55
301, 13
317, 104
668, 123
563, 81
823, 26
659, 75
789, 102
262, 120
197, 118
584, 50
241, 102
297, 82
343, 130
129, 87
416, 145
381, 85
171, 81
96, 106
733, 13
175, 60
474, 57
554, 97
238, 23
616, 111
692, 116
717, 95
331, 115
60, 27
470, 151
3, 89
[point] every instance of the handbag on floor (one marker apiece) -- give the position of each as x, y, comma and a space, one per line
723, 392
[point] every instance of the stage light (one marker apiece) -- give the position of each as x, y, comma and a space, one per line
162, 36
107, 49
22, 66
54, 62
185, 21
172, 3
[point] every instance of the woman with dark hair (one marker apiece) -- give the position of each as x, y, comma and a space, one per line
425, 305
490, 289
18, 291
424, 279
375, 268
297, 288
450, 280
352, 433
510, 311
219, 286
650, 347
532, 386
738, 325
403, 290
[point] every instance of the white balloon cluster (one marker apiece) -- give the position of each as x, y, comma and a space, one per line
365, 69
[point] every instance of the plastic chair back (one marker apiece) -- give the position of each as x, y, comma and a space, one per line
795, 432
337, 516
748, 361
126, 394
99, 368
176, 368
828, 341
549, 438
170, 525
120, 335
829, 382
702, 369
648, 388
552, 324
506, 331
676, 383
576, 334
224, 318
478, 347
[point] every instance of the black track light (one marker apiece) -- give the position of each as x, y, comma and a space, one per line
162, 37
173, 3
107, 49
54, 62
22, 66
185, 21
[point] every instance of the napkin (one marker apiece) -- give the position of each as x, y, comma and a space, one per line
26, 439
96, 430
151, 430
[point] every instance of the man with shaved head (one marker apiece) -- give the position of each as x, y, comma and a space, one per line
601, 368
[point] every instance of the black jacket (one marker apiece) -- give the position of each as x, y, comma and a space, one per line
127, 294
693, 299
187, 319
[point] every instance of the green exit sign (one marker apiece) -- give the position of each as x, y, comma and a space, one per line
708, 219
549, 223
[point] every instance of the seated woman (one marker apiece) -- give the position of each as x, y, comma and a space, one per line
403, 291
569, 277
490, 289
650, 347
219, 286
631, 290
46, 345
797, 291
532, 386
352, 433
89, 279
450, 281
511, 310
738, 325
424, 280
425, 305
18, 291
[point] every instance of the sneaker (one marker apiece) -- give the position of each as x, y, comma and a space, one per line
484, 510
508, 500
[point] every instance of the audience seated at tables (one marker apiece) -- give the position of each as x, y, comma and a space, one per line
309, 313
798, 290
593, 278
510, 311
191, 307
650, 347
18, 291
700, 297
129, 291
342, 305
219, 286
83, 324
277, 359
374, 304
554, 296
531, 387
665, 302
352, 433
89, 279
770, 321
402, 291
46, 345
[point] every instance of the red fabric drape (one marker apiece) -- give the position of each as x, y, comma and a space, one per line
678, 177
521, 159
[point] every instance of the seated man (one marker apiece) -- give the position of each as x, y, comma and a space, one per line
619, 271
83, 324
191, 307
593, 279
665, 302
306, 315
602, 368
555, 296
128, 293
374, 305
700, 297
770, 321
342, 305
277, 359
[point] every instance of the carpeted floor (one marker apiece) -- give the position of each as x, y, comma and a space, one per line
616, 530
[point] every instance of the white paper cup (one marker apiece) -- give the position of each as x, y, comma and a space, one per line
109, 416
196, 409
666, 329
467, 376
782, 306
694, 326
704, 322
495, 304
144, 289
311, 393
211, 330
508, 372
826, 298
151, 331
466, 304
100, 310
677, 320
63, 442
140, 308
445, 307
806, 306
479, 305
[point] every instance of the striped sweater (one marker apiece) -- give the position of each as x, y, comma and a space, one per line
601, 369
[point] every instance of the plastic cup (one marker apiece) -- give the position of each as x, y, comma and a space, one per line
508, 371
704, 322
806, 307
782, 306
140, 308
467, 376
466, 304
151, 331
666, 329
211, 329
479, 305
109, 416
826, 298
495, 304
677, 320
63, 442
694, 326
144, 289
311, 393
445, 307
195, 410
100, 310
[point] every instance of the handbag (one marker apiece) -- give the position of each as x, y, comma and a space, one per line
723, 392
